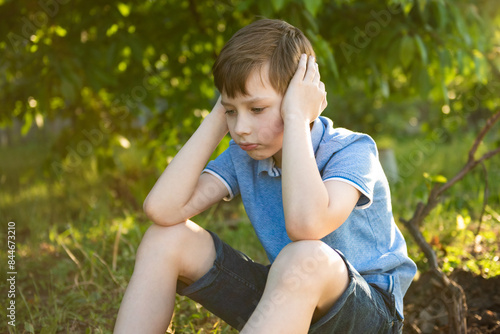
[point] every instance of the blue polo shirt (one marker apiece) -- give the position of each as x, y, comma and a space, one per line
369, 238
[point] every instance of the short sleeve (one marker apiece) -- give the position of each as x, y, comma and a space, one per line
357, 164
223, 169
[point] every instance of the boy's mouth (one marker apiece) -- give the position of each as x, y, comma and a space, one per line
248, 147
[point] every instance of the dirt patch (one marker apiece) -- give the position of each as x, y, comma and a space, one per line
426, 312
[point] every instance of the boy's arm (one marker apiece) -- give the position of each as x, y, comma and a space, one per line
312, 208
182, 191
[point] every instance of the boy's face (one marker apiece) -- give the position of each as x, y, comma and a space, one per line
254, 120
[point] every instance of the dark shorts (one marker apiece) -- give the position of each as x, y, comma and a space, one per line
232, 288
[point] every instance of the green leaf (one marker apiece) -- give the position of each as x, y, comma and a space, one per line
312, 6
481, 66
312, 37
123, 9
60, 31
28, 121
444, 91
407, 50
435, 178
459, 56
333, 65
112, 30
327, 53
52, 328
439, 179
461, 25
407, 8
384, 87
28, 327
442, 14
421, 49
312, 22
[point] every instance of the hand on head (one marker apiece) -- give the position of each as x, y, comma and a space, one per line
306, 95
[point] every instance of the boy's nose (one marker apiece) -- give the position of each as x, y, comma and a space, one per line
242, 126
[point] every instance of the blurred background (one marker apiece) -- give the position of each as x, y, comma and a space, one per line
96, 98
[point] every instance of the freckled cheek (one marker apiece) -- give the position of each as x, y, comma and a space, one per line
270, 131
279, 126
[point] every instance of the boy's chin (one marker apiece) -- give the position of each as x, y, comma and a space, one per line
260, 155
256, 155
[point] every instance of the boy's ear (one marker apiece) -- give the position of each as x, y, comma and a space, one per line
325, 102
324, 105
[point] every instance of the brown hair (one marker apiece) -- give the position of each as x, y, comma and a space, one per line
265, 41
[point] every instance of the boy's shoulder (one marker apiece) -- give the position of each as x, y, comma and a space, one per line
331, 140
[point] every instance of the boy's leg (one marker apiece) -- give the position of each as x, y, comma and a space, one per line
184, 251
304, 282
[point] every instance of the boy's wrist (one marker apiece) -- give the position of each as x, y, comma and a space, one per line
218, 111
296, 117
216, 116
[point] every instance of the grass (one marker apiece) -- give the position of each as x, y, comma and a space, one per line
76, 236
452, 226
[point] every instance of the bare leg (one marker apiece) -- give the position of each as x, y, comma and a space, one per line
184, 251
304, 282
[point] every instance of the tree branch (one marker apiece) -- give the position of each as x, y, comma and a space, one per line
422, 210
489, 124
456, 305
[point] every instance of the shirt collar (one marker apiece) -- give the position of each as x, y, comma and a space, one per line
267, 165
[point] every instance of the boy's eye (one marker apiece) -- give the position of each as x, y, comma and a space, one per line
258, 109
230, 112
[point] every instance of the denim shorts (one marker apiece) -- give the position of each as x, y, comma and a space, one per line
232, 288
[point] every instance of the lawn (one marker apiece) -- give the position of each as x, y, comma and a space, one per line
76, 235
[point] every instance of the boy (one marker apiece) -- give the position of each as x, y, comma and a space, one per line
316, 196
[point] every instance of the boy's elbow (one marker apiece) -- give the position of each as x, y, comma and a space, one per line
153, 213
158, 214
309, 229
149, 209
301, 230
296, 235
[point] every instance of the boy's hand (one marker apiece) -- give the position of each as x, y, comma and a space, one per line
220, 112
219, 108
305, 97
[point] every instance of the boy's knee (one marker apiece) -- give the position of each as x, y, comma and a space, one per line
185, 247
308, 263
309, 253
165, 239
160, 232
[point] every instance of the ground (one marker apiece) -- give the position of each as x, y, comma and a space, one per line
425, 314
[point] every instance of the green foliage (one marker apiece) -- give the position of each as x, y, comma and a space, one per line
462, 234
131, 80
77, 238
107, 68
76, 241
